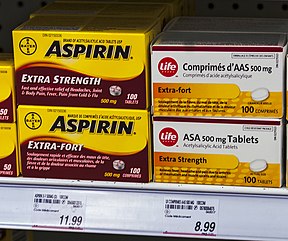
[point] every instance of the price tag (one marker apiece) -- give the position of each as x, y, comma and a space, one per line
190, 216
58, 210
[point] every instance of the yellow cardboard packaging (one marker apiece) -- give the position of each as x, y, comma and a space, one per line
161, 12
84, 61
9, 162
7, 90
176, 7
70, 8
85, 143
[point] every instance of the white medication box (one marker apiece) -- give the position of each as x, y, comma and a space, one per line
218, 74
242, 152
227, 24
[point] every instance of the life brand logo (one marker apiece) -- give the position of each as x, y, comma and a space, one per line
168, 67
168, 136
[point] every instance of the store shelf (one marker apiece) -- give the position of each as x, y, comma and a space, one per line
130, 208
241, 213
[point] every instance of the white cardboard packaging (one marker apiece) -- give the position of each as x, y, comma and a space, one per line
245, 152
219, 75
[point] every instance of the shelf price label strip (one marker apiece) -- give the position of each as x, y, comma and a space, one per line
190, 216
58, 210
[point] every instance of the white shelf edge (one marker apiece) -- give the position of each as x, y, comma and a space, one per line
22, 182
138, 209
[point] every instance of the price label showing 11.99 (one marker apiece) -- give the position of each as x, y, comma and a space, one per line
190, 216
58, 210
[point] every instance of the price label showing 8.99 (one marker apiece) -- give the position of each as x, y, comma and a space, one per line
58, 210
190, 216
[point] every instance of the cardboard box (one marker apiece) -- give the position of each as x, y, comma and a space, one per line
84, 61
9, 161
7, 90
219, 75
85, 143
176, 7
70, 8
159, 12
239, 152
227, 24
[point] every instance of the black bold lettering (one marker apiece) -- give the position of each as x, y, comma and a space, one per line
99, 51
67, 50
103, 126
124, 128
79, 49
83, 124
119, 51
54, 49
58, 124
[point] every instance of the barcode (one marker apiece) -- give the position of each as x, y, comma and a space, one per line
44, 200
179, 206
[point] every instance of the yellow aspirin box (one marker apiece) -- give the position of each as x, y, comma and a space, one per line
219, 151
70, 8
156, 11
176, 7
218, 74
7, 90
84, 61
85, 143
9, 166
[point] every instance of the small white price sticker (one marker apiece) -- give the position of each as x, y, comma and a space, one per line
58, 210
184, 215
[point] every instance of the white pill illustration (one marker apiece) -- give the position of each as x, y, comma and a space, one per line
258, 165
118, 164
260, 94
115, 90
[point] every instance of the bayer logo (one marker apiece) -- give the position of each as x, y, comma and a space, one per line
33, 121
28, 46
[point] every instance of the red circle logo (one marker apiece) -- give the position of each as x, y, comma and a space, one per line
168, 136
168, 67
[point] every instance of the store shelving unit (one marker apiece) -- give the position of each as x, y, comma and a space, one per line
140, 209
130, 208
